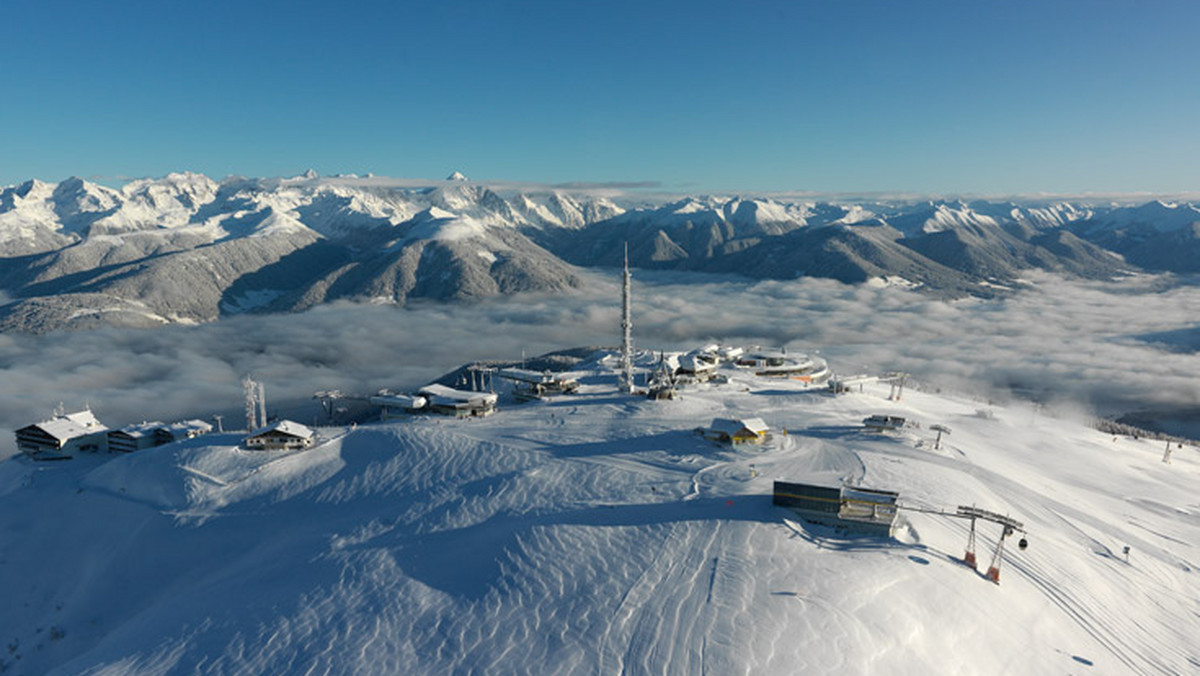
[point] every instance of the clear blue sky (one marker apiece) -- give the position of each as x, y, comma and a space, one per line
1005, 96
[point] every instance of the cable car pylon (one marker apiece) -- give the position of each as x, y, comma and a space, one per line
1010, 525
993, 572
969, 557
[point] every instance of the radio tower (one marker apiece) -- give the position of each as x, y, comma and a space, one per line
262, 405
626, 375
250, 389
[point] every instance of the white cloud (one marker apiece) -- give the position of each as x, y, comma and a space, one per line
1061, 340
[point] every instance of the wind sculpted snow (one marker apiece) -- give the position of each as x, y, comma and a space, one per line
595, 533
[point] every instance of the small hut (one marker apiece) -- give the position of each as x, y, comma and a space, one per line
736, 431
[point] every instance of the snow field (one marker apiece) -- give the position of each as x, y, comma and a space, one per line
596, 533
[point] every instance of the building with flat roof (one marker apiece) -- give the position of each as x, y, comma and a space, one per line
862, 510
458, 403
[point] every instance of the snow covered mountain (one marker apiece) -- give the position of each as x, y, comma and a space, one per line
597, 533
1156, 235
185, 248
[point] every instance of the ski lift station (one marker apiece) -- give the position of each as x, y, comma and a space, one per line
861, 510
884, 423
536, 384
779, 364
458, 403
394, 405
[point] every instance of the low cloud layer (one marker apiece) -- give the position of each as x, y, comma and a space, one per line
1086, 342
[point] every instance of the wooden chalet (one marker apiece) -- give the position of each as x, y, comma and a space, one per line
280, 436
732, 431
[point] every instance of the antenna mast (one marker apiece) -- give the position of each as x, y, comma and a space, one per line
250, 390
262, 405
626, 375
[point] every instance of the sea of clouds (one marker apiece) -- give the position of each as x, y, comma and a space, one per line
1105, 347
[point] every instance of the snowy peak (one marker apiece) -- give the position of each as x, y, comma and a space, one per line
456, 176
78, 203
32, 189
89, 236
933, 217
1158, 216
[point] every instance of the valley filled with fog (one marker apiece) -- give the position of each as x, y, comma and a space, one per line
1081, 347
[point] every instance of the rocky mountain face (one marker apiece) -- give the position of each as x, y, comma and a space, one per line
185, 248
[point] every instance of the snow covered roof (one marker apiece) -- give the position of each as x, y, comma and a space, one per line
294, 429
697, 362
185, 429
731, 426
400, 400
84, 417
71, 425
142, 429
527, 376
449, 394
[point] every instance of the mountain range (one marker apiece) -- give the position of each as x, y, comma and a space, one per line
186, 248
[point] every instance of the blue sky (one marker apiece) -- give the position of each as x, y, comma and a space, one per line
806, 95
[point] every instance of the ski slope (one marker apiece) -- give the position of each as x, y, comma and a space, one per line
596, 533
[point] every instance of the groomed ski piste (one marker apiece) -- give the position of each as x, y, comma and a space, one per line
596, 533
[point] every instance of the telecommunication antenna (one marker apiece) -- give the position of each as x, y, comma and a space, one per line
250, 394
626, 375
